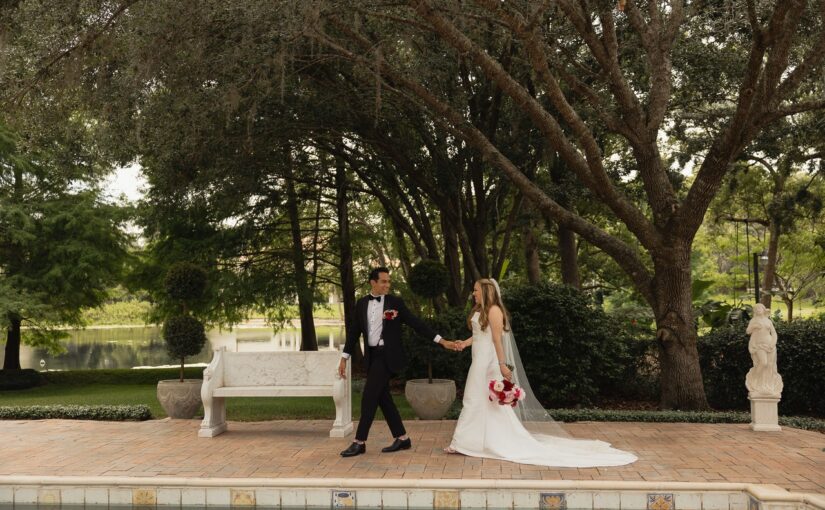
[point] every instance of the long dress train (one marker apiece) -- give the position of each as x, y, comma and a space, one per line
487, 429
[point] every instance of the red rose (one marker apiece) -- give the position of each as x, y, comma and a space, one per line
390, 314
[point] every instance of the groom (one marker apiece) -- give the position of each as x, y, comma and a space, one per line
378, 316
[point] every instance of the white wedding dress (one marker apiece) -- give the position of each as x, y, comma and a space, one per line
487, 429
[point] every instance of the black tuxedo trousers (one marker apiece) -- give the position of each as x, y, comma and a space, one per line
382, 363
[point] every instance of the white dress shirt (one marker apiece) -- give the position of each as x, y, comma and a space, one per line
375, 324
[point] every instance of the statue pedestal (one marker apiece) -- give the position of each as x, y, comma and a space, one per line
764, 413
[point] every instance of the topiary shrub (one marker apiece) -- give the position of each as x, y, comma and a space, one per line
724, 358
451, 324
429, 279
185, 283
572, 351
184, 336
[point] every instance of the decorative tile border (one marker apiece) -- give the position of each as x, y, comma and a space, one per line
398, 493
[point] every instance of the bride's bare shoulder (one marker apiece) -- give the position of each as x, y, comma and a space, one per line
495, 312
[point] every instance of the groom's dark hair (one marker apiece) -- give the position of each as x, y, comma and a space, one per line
377, 271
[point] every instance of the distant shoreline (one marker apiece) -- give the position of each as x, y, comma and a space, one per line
250, 324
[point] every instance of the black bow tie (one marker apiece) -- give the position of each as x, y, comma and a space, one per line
377, 298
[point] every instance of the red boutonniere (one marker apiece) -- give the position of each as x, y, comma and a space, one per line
390, 314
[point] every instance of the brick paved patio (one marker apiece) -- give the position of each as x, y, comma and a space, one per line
792, 459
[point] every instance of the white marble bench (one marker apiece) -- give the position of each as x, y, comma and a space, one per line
274, 374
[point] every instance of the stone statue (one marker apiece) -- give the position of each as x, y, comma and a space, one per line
763, 379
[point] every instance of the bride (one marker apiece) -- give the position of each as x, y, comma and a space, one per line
526, 433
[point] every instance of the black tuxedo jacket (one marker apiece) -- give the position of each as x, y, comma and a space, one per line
394, 351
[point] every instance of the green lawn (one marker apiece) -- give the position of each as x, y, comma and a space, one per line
239, 409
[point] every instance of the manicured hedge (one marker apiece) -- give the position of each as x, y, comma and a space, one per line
19, 379
572, 351
573, 415
723, 354
119, 376
75, 412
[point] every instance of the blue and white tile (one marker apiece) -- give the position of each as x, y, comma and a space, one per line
552, 501
343, 498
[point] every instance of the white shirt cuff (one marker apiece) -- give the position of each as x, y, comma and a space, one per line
345, 355
437, 338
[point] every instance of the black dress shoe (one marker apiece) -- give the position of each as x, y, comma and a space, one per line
354, 449
398, 444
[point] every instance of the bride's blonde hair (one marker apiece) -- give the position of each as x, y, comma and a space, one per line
489, 298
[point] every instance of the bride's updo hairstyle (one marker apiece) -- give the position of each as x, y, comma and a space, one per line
489, 297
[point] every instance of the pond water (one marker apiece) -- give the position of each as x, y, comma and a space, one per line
142, 346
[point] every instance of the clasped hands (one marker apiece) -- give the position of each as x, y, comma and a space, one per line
455, 345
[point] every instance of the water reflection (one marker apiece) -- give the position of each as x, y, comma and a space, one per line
127, 347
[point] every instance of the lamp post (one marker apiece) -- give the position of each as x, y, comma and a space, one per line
757, 258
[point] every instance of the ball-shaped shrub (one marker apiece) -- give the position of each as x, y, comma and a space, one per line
185, 282
184, 336
429, 279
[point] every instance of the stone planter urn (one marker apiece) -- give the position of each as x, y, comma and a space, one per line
180, 399
430, 401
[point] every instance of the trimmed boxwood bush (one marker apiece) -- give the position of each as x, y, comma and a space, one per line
184, 336
724, 357
429, 279
75, 412
185, 282
572, 351
19, 379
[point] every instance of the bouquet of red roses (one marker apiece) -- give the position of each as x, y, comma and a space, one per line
505, 393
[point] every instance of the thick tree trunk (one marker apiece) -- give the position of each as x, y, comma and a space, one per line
568, 253
531, 254
770, 266
309, 341
681, 385
12, 359
345, 252
452, 260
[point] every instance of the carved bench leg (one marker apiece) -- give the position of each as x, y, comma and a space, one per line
214, 417
342, 426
